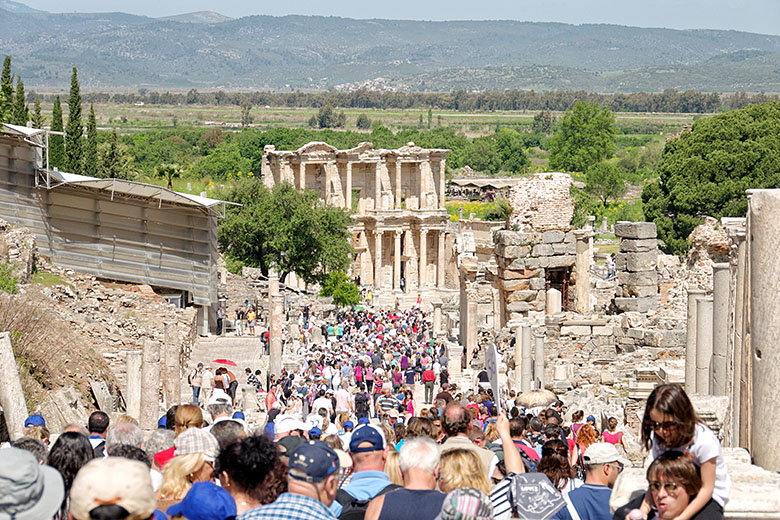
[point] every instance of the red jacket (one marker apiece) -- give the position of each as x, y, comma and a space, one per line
428, 375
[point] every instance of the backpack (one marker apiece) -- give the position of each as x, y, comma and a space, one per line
354, 509
189, 379
361, 402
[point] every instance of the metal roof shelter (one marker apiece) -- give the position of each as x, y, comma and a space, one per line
112, 228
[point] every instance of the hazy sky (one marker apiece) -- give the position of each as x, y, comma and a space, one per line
761, 16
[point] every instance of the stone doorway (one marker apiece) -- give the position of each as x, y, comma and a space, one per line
558, 278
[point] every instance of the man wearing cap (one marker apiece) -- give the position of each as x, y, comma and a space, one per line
603, 464
286, 425
196, 381
368, 450
205, 500
28, 490
312, 483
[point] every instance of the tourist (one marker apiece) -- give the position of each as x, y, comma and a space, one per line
240, 315
456, 425
386, 402
220, 410
466, 504
393, 467
250, 320
30, 491
590, 501
207, 384
462, 468
253, 379
206, 501
577, 421
127, 434
585, 437
40, 433
34, 446
195, 452
555, 464
670, 423
70, 453
220, 320
368, 450
611, 267
419, 466
428, 380
312, 480
227, 432
243, 467
344, 402
97, 426
114, 487
195, 380
611, 435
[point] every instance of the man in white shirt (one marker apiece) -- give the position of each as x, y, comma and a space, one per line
322, 402
344, 402
207, 384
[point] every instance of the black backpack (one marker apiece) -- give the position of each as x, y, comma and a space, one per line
361, 402
354, 509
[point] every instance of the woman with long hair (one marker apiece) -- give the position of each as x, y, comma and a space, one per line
461, 468
69, 454
555, 464
196, 451
585, 437
243, 468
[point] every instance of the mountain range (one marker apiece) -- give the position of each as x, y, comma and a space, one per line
206, 50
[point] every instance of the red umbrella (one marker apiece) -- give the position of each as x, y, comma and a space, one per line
225, 362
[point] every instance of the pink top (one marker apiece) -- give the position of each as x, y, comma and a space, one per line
613, 438
358, 373
369, 374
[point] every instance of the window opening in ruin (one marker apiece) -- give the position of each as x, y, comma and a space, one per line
558, 278
355, 200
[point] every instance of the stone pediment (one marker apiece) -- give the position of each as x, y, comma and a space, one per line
365, 146
316, 147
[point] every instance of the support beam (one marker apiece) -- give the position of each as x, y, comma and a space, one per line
703, 344
441, 261
721, 277
11, 395
150, 385
397, 260
276, 302
132, 393
423, 270
397, 184
690, 341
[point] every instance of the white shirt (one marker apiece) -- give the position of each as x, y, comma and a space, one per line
208, 378
322, 402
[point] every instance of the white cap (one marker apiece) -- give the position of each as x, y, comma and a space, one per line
287, 423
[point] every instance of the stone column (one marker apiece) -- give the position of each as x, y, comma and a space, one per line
150, 385
518, 383
133, 388
471, 331
203, 320
397, 260
527, 364
378, 260
721, 276
703, 344
276, 301
554, 302
441, 261
539, 358
582, 270
172, 354
764, 324
690, 341
738, 379
437, 317
397, 184
423, 258
11, 395
348, 188
301, 175
378, 186
442, 183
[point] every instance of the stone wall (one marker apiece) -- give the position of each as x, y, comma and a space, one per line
636, 264
542, 201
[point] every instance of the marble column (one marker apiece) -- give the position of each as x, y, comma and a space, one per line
527, 362
150, 385
703, 344
553, 301
132, 393
11, 394
397, 184
721, 276
378, 260
539, 358
378, 186
471, 331
518, 383
582, 270
172, 364
441, 261
690, 341
442, 183
276, 310
437, 304
348, 188
397, 260
423, 258
301, 175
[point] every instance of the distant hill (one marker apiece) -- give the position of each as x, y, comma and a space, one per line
17, 7
197, 17
123, 50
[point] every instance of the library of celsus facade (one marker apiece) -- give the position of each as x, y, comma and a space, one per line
396, 198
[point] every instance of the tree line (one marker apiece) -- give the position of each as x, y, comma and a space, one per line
669, 100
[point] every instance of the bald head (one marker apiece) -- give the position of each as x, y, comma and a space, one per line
456, 420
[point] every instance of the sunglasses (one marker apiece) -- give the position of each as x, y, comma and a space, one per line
670, 487
619, 467
666, 425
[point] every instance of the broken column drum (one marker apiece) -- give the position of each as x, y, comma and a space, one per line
132, 393
150, 385
690, 341
703, 344
720, 307
527, 361
539, 359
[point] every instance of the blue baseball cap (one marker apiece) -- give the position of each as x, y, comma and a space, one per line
367, 435
34, 420
348, 424
315, 432
238, 415
313, 461
162, 423
363, 420
205, 501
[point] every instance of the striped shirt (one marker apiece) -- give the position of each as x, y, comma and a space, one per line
290, 507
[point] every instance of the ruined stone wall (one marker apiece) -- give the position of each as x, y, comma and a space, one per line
542, 201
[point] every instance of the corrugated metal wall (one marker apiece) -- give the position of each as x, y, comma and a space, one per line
122, 239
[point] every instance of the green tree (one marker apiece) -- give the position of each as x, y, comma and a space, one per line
344, 291
510, 148
20, 111
285, 228
6, 92
584, 137
363, 122
543, 122
430, 117
74, 152
168, 172
37, 118
605, 181
482, 155
246, 116
91, 159
115, 159
56, 142
707, 170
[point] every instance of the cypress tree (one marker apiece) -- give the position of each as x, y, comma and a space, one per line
91, 163
74, 152
110, 164
6, 92
37, 118
56, 142
20, 111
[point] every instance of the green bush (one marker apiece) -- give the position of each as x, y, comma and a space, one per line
8, 282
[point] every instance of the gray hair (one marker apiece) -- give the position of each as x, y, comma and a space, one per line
34, 446
227, 432
73, 426
160, 439
421, 453
124, 433
220, 408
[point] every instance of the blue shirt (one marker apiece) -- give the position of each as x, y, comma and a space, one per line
363, 485
290, 507
591, 502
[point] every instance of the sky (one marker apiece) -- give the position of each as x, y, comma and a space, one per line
760, 16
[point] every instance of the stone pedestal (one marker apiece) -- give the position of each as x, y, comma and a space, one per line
690, 341
582, 270
150, 385
437, 317
454, 355
526, 367
172, 362
720, 321
539, 359
11, 395
703, 344
132, 393
554, 302
276, 303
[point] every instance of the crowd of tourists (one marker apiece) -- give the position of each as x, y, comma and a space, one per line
346, 437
